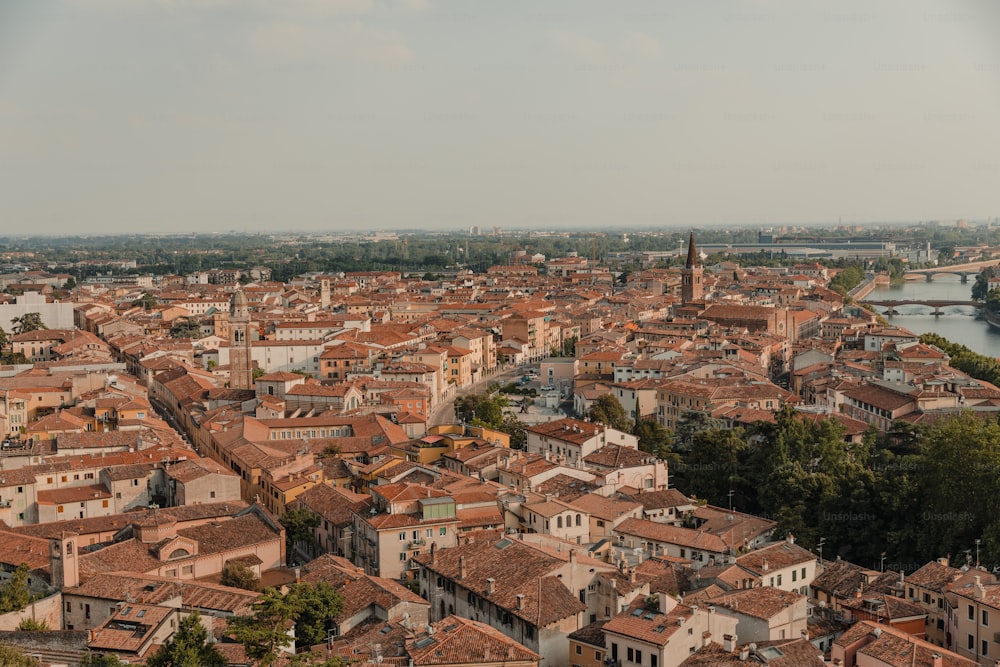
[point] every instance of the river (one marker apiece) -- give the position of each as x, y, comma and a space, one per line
958, 324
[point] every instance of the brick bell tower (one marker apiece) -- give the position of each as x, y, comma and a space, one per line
692, 288
240, 366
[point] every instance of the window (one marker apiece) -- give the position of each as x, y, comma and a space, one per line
654, 660
402, 536
59, 509
793, 575
779, 579
20, 489
559, 522
803, 573
972, 643
911, 593
638, 656
614, 651
579, 650
972, 615
75, 477
104, 503
986, 620
927, 598
631, 654
402, 556
986, 648
443, 530
64, 478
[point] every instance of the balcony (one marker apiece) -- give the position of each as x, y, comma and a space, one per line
417, 543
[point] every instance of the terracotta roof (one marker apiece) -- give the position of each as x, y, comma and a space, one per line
668, 534
517, 568
458, 640
763, 602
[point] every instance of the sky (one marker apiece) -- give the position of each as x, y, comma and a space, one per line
350, 115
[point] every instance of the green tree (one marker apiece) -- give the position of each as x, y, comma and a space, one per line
515, 428
239, 575
15, 657
27, 322
185, 327
654, 439
188, 647
608, 411
264, 633
31, 625
147, 301
300, 526
101, 660
318, 604
982, 284
14, 593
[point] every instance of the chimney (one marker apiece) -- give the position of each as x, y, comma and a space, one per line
519, 605
790, 538
490, 581
764, 566
461, 567
433, 553
744, 652
937, 660
298, 575
980, 589
572, 555
943, 561
803, 635
729, 643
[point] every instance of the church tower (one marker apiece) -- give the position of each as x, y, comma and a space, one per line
240, 367
692, 288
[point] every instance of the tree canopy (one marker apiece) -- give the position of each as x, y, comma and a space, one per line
307, 607
188, 647
608, 410
27, 322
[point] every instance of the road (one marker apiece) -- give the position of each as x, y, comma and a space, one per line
444, 413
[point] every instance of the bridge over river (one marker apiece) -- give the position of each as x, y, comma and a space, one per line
961, 270
936, 304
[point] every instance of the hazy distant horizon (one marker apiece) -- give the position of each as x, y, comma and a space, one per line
346, 116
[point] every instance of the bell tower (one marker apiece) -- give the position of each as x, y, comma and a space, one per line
63, 560
692, 288
240, 366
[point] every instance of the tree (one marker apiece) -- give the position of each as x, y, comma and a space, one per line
188, 647
27, 322
982, 284
238, 575
608, 411
319, 603
653, 438
300, 525
265, 632
185, 327
14, 657
101, 660
147, 301
14, 593
31, 625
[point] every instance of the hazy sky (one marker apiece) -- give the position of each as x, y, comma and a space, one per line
216, 115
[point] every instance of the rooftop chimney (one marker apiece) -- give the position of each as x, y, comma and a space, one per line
461, 567
490, 585
744, 652
729, 643
433, 553
937, 660
520, 602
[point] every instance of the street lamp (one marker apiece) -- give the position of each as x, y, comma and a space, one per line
819, 547
977, 552
881, 563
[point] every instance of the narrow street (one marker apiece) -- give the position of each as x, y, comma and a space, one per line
444, 413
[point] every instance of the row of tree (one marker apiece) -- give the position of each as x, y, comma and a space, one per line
915, 493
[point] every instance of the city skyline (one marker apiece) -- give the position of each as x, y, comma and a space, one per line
351, 115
